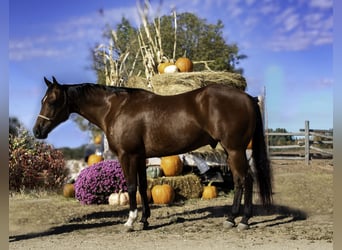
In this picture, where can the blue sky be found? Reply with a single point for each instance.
(288, 44)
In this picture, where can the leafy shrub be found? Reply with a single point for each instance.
(34, 165)
(95, 183)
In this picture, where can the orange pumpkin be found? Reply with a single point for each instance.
(98, 139)
(163, 194)
(163, 65)
(171, 165)
(94, 158)
(184, 64)
(209, 192)
(69, 190)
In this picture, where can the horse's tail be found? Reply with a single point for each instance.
(261, 161)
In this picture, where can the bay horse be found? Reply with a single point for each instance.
(140, 124)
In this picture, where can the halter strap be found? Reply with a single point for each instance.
(44, 117)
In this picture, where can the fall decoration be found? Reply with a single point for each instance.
(161, 67)
(209, 192)
(184, 64)
(163, 194)
(118, 199)
(98, 139)
(171, 165)
(95, 183)
(153, 171)
(187, 186)
(94, 158)
(171, 84)
(171, 69)
(69, 190)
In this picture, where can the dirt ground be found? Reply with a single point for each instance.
(301, 218)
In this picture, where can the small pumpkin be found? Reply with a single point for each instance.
(163, 194)
(153, 171)
(69, 190)
(171, 165)
(149, 196)
(161, 67)
(94, 158)
(97, 139)
(118, 199)
(184, 64)
(209, 192)
(171, 69)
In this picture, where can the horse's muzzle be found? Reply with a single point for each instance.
(39, 133)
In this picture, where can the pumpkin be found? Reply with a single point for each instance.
(209, 192)
(250, 145)
(149, 196)
(118, 199)
(94, 158)
(184, 64)
(162, 66)
(69, 190)
(98, 139)
(171, 165)
(153, 171)
(163, 194)
(171, 69)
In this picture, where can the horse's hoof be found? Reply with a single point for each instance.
(228, 224)
(242, 227)
(128, 228)
(142, 226)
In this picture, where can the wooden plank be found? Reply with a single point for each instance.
(327, 151)
(286, 147)
(286, 157)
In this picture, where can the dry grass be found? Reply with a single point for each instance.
(166, 84)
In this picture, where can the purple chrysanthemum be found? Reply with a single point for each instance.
(96, 182)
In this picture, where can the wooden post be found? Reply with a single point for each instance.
(307, 143)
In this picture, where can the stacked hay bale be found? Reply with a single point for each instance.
(176, 83)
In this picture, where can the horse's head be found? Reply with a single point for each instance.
(54, 109)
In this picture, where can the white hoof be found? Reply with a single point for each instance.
(228, 224)
(242, 227)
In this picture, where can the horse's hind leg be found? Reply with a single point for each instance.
(239, 167)
(248, 205)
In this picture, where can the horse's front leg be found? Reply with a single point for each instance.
(129, 166)
(143, 193)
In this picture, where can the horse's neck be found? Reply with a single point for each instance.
(91, 107)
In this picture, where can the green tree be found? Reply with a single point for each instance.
(14, 125)
(278, 140)
(197, 39)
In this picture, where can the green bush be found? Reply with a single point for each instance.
(34, 165)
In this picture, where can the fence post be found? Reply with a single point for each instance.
(307, 143)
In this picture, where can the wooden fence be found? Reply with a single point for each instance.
(306, 143)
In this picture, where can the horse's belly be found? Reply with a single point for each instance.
(177, 143)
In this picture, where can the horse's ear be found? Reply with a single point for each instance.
(54, 80)
(48, 83)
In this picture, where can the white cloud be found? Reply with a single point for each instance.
(68, 36)
(322, 4)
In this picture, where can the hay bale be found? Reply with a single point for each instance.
(186, 186)
(167, 84)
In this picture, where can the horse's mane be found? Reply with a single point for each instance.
(86, 88)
